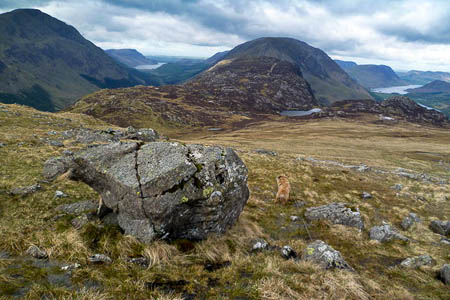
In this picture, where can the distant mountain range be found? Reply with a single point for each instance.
(371, 76)
(437, 86)
(423, 77)
(130, 57)
(47, 64)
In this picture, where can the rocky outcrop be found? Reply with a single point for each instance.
(410, 220)
(324, 255)
(441, 227)
(417, 261)
(166, 190)
(445, 274)
(385, 233)
(22, 191)
(337, 213)
(36, 252)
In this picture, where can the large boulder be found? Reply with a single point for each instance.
(441, 227)
(336, 213)
(166, 190)
(445, 274)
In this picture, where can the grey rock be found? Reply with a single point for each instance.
(441, 227)
(397, 187)
(99, 259)
(143, 134)
(56, 143)
(299, 204)
(445, 241)
(410, 220)
(287, 252)
(445, 274)
(67, 153)
(70, 267)
(385, 233)
(266, 152)
(294, 218)
(324, 255)
(25, 190)
(36, 252)
(140, 261)
(80, 221)
(259, 244)
(60, 194)
(417, 261)
(2, 145)
(57, 166)
(78, 208)
(166, 190)
(110, 219)
(366, 195)
(336, 213)
(363, 168)
(52, 132)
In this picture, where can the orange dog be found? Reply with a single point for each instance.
(283, 189)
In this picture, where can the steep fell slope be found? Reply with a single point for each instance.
(130, 57)
(47, 64)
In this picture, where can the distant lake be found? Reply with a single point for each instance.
(149, 67)
(395, 89)
(299, 113)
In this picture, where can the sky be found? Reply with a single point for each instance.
(404, 34)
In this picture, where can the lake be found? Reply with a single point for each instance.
(299, 113)
(395, 89)
(149, 67)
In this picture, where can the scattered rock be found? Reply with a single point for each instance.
(99, 259)
(70, 267)
(410, 220)
(78, 208)
(140, 261)
(366, 195)
(25, 190)
(324, 255)
(287, 252)
(260, 244)
(55, 143)
(57, 166)
(441, 227)
(60, 194)
(397, 187)
(385, 233)
(166, 190)
(294, 218)
(337, 213)
(417, 261)
(36, 252)
(80, 221)
(445, 274)
(266, 152)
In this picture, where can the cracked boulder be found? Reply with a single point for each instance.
(336, 213)
(166, 190)
(321, 253)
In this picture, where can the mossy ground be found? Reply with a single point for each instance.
(178, 268)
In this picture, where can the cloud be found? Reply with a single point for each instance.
(405, 34)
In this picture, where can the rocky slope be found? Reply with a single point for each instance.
(373, 76)
(47, 64)
(229, 92)
(130, 57)
(328, 81)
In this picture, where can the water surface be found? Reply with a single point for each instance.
(299, 113)
(149, 67)
(395, 89)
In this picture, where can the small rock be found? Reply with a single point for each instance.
(25, 190)
(78, 208)
(445, 241)
(409, 221)
(55, 143)
(287, 252)
(67, 153)
(80, 221)
(441, 227)
(2, 145)
(445, 274)
(324, 255)
(140, 261)
(60, 194)
(260, 244)
(299, 204)
(417, 261)
(385, 233)
(52, 132)
(99, 259)
(36, 252)
(366, 195)
(363, 168)
(71, 267)
(266, 152)
(337, 213)
(397, 187)
(294, 218)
